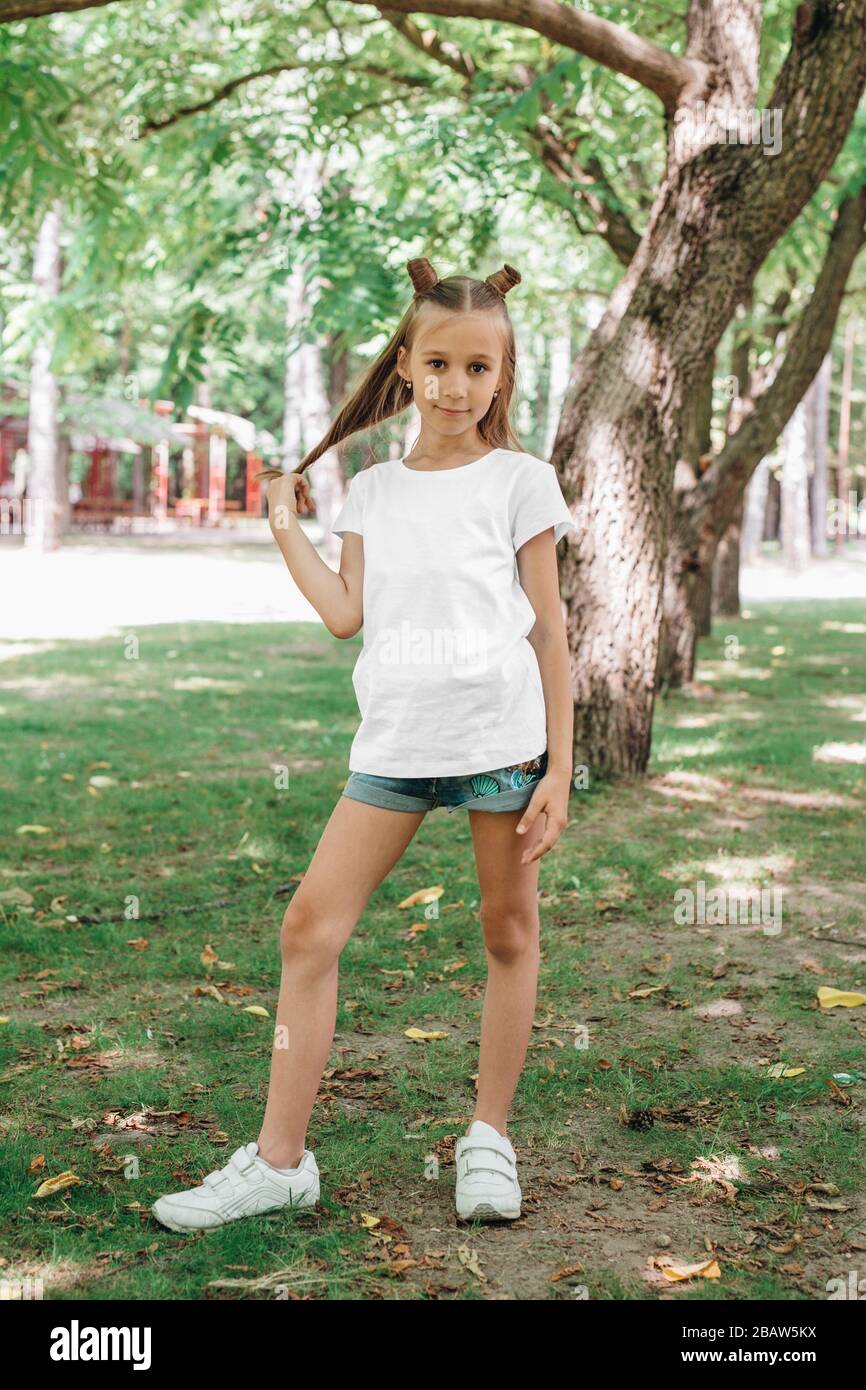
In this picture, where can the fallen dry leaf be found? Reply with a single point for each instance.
(424, 895)
(52, 1185)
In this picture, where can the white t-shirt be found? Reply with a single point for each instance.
(447, 683)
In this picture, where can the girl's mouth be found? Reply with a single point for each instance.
(446, 411)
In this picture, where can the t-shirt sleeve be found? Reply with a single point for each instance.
(537, 503)
(350, 517)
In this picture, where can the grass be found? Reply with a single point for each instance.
(228, 748)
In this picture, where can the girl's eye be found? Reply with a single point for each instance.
(437, 361)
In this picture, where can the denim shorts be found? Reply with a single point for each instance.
(505, 789)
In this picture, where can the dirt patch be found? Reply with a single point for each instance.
(592, 1211)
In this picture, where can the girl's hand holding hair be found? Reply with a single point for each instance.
(287, 493)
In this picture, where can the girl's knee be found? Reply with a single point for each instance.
(509, 932)
(310, 934)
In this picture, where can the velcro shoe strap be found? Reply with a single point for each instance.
(482, 1157)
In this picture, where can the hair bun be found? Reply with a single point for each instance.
(505, 279)
(422, 274)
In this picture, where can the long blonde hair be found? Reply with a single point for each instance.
(383, 392)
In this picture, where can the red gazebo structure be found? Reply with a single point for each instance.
(205, 431)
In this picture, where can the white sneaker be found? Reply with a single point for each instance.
(487, 1186)
(246, 1186)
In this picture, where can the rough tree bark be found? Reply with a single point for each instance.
(726, 565)
(726, 569)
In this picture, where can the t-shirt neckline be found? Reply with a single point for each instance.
(430, 472)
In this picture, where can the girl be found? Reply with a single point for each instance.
(463, 684)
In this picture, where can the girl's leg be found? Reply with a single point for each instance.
(358, 848)
(509, 919)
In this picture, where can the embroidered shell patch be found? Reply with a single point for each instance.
(484, 785)
(521, 773)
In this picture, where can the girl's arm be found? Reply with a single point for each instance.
(337, 598)
(539, 579)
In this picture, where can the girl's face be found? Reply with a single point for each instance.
(455, 366)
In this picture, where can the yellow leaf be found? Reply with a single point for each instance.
(257, 1010)
(832, 998)
(708, 1270)
(781, 1070)
(52, 1185)
(424, 895)
(4, 1018)
(208, 955)
(33, 830)
(644, 991)
(102, 781)
(369, 1221)
(419, 1035)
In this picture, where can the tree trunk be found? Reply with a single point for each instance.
(62, 468)
(821, 407)
(755, 513)
(795, 495)
(43, 509)
(725, 602)
(678, 629)
(726, 571)
(773, 514)
(686, 614)
(842, 508)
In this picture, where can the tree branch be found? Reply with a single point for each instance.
(814, 106)
(431, 43)
(718, 490)
(33, 9)
(664, 73)
(219, 95)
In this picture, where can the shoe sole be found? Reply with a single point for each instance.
(174, 1224)
(484, 1211)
